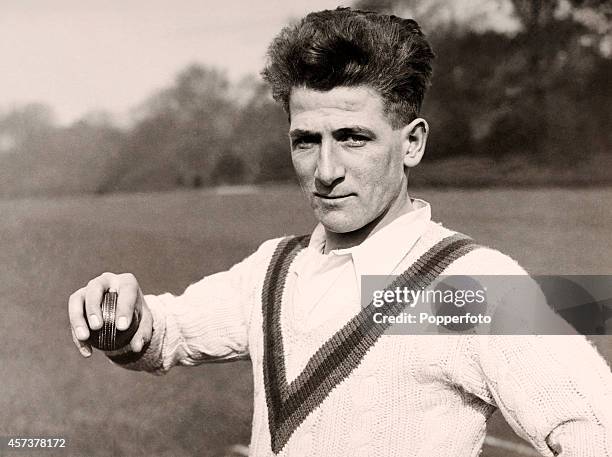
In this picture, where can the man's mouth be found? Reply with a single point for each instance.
(332, 197)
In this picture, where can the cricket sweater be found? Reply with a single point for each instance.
(329, 383)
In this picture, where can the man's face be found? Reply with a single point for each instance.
(347, 156)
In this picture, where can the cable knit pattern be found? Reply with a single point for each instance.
(418, 395)
(290, 403)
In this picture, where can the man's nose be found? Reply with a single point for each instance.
(329, 167)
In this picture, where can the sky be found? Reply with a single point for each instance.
(79, 56)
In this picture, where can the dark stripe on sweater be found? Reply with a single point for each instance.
(273, 287)
(289, 405)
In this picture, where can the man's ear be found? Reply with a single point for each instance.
(414, 139)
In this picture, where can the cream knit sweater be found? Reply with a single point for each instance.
(419, 395)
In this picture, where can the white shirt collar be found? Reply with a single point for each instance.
(380, 253)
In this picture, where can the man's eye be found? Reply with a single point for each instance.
(355, 140)
(303, 144)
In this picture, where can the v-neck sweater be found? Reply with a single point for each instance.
(407, 395)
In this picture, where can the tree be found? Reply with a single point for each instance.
(260, 138)
(181, 133)
(525, 92)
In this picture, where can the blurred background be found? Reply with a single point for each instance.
(137, 136)
(106, 97)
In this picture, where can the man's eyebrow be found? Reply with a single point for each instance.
(299, 133)
(355, 129)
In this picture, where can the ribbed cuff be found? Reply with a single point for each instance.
(579, 438)
(150, 357)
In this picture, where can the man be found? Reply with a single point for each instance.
(328, 380)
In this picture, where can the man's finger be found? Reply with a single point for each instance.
(93, 297)
(145, 331)
(78, 323)
(84, 348)
(126, 302)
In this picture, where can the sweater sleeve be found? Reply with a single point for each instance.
(554, 391)
(207, 323)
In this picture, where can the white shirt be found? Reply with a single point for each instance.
(326, 288)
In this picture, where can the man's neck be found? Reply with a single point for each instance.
(349, 239)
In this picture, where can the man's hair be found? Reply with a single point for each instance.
(346, 47)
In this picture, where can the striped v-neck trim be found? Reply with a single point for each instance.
(290, 404)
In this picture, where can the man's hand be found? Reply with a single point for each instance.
(84, 308)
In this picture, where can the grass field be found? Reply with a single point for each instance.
(49, 248)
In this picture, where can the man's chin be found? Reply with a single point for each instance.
(340, 226)
(339, 221)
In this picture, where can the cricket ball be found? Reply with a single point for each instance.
(107, 337)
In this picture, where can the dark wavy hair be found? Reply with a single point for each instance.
(346, 47)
